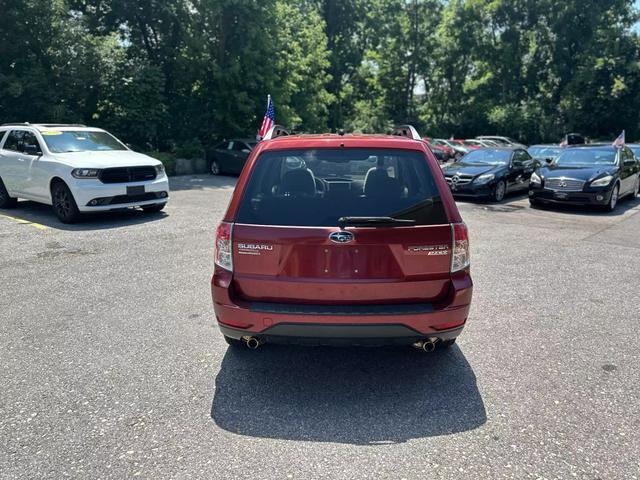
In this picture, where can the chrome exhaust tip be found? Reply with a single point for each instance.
(428, 345)
(252, 343)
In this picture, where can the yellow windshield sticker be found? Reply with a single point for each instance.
(51, 132)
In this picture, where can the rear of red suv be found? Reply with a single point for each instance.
(342, 240)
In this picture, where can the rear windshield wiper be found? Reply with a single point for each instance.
(373, 222)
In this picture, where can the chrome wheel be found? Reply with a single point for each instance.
(613, 201)
(498, 194)
(215, 168)
(636, 189)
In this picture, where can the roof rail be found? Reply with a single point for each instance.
(276, 131)
(47, 125)
(50, 125)
(406, 131)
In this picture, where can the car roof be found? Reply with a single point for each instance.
(43, 127)
(333, 140)
(599, 146)
(245, 140)
(506, 148)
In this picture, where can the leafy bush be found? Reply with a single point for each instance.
(190, 149)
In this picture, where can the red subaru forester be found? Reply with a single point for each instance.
(342, 240)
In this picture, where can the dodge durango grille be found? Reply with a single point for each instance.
(127, 174)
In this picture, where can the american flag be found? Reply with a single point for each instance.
(619, 142)
(269, 118)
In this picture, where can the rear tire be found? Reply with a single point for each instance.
(153, 208)
(636, 188)
(535, 204)
(5, 200)
(64, 205)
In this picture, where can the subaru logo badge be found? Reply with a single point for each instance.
(341, 237)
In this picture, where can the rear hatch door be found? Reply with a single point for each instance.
(291, 243)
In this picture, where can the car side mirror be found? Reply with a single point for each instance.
(549, 161)
(30, 149)
(517, 163)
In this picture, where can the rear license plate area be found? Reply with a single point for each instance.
(135, 190)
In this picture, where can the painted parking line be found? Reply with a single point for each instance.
(25, 222)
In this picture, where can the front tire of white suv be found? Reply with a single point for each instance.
(6, 201)
(64, 205)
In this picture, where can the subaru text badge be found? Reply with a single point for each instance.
(341, 237)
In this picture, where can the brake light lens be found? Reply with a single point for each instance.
(224, 248)
(460, 258)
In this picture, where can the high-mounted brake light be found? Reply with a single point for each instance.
(224, 246)
(460, 259)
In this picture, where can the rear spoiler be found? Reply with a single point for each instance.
(407, 131)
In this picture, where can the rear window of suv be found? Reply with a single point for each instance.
(317, 187)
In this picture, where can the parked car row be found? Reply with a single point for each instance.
(582, 174)
(455, 148)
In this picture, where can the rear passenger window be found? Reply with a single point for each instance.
(14, 140)
(317, 187)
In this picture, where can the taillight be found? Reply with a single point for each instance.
(460, 257)
(224, 247)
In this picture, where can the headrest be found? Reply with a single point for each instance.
(299, 181)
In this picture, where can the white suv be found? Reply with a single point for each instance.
(77, 169)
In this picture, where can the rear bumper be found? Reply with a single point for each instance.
(344, 324)
(339, 334)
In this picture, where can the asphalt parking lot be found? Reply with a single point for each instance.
(112, 366)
